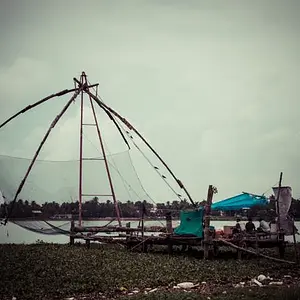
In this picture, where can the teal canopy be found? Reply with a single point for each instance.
(238, 202)
(191, 223)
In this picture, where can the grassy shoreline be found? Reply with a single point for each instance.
(51, 271)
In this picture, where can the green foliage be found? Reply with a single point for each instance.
(96, 209)
(49, 271)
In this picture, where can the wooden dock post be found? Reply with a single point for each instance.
(207, 221)
(128, 225)
(295, 243)
(277, 202)
(280, 234)
(72, 233)
(169, 223)
(169, 230)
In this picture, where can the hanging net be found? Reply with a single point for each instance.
(58, 181)
(44, 227)
(136, 174)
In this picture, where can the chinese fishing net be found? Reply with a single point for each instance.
(136, 175)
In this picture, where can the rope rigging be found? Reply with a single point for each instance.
(106, 107)
(154, 167)
(120, 128)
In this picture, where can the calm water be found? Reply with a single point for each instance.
(12, 233)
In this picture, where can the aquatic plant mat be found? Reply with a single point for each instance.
(50, 271)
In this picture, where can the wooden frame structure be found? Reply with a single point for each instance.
(127, 235)
(210, 243)
(83, 87)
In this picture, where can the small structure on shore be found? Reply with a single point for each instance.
(195, 230)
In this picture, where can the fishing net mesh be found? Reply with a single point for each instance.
(58, 181)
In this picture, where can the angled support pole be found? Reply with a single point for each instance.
(55, 121)
(61, 93)
(83, 84)
(106, 164)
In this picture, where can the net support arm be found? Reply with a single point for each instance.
(61, 93)
(122, 119)
(55, 121)
(118, 127)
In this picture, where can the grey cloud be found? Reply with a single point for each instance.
(213, 87)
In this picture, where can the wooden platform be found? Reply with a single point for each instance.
(131, 240)
(143, 238)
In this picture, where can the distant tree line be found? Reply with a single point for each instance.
(96, 209)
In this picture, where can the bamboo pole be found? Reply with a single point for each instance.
(118, 229)
(105, 161)
(61, 93)
(143, 228)
(80, 154)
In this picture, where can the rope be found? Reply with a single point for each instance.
(269, 189)
(156, 170)
(116, 168)
(143, 186)
(255, 253)
(148, 160)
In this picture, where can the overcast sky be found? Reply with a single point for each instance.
(213, 85)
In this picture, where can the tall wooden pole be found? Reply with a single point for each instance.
(169, 222)
(207, 221)
(277, 201)
(295, 242)
(80, 154)
(113, 194)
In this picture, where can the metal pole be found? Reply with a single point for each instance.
(80, 153)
